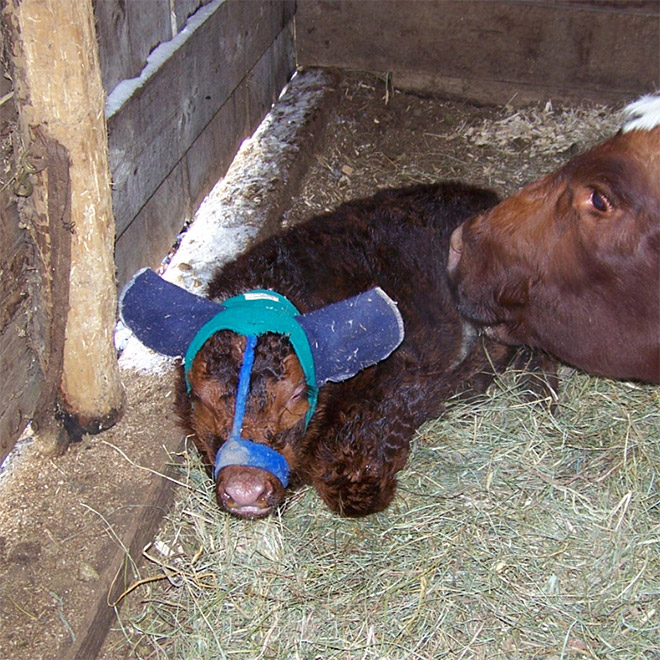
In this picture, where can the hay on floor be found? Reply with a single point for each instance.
(516, 532)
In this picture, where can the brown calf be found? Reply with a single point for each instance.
(358, 437)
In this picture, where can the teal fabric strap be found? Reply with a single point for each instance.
(256, 313)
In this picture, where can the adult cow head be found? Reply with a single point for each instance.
(571, 263)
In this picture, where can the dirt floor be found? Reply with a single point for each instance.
(380, 137)
(62, 518)
(377, 137)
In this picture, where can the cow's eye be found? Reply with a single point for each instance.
(600, 201)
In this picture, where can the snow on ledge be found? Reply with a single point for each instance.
(155, 60)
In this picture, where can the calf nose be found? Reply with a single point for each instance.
(455, 248)
(247, 489)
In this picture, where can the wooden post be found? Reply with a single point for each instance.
(61, 111)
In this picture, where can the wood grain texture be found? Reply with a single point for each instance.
(160, 121)
(58, 83)
(127, 32)
(22, 380)
(146, 239)
(183, 9)
(489, 51)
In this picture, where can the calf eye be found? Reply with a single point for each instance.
(600, 201)
(301, 392)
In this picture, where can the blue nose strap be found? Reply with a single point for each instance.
(245, 453)
(238, 451)
(243, 386)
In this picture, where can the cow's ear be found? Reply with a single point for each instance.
(163, 316)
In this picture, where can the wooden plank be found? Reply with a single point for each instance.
(489, 50)
(215, 148)
(186, 86)
(149, 24)
(641, 6)
(115, 56)
(21, 382)
(22, 379)
(183, 9)
(126, 33)
(16, 260)
(149, 237)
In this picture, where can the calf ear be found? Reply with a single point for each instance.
(209, 390)
(205, 417)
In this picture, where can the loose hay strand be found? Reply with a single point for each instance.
(511, 536)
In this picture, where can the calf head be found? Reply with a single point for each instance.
(571, 263)
(251, 372)
(275, 413)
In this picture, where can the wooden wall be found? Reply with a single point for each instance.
(492, 51)
(187, 80)
(22, 378)
(177, 117)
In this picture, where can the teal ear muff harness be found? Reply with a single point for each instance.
(332, 343)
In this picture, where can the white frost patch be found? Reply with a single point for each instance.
(137, 357)
(155, 60)
(643, 114)
(17, 454)
(235, 210)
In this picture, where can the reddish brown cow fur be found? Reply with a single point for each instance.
(571, 263)
(358, 438)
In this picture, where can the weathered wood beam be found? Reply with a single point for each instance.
(155, 118)
(493, 51)
(62, 126)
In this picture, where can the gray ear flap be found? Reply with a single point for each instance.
(353, 334)
(162, 315)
